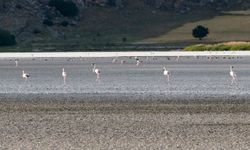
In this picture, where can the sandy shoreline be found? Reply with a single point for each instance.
(79, 124)
(110, 107)
(120, 103)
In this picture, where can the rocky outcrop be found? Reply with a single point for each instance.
(23, 18)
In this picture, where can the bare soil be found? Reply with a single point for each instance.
(124, 125)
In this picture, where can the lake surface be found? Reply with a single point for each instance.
(190, 76)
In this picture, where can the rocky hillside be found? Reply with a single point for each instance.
(25, 18)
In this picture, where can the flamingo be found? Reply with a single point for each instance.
(177, 58)
(233, 75)
(123, 61)
(25, 76)
(166, 73)
(64, 75)
(97, 72)
(114, 60)
(138, 62)
(16, 62)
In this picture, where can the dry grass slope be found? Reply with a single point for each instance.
(224, 27)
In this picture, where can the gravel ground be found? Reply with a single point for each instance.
(124, 125)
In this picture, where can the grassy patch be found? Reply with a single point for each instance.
(240, 12)
(229, 46)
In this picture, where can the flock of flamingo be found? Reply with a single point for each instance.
(97, 71)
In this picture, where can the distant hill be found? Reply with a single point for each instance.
(125, 24)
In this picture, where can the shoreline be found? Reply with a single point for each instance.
(124, 97)
(120, 104)
(120, 54)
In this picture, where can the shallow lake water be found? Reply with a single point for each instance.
(190, 76)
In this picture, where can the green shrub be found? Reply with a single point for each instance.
(220, 47)
(98, 34)
(48, 22)
(55, 3)
(18, 6)
(69, 9)
(66, 8)
(111, 3)
(195, 47)
(6, 38)
(64, 23)
(124, 39)
(240, 47)
(36, 31)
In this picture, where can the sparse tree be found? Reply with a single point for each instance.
(200, 32)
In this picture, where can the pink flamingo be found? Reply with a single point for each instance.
(25, 76)
(97, 72)
(233, 75)
(166, 73)
(64, 75)
(138, 62)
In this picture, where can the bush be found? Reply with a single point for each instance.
(64, 23)
(111, 3)
(66, 8)
(124, 39)
(98, 34)
(200, 32)
(6, 38)
(48, 22)
(69, 9)
(36, 31)
(18, 6)
(199, 47)
(240, 47)
(55, 3)
(221, 47)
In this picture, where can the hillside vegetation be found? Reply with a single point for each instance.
(132, 25)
